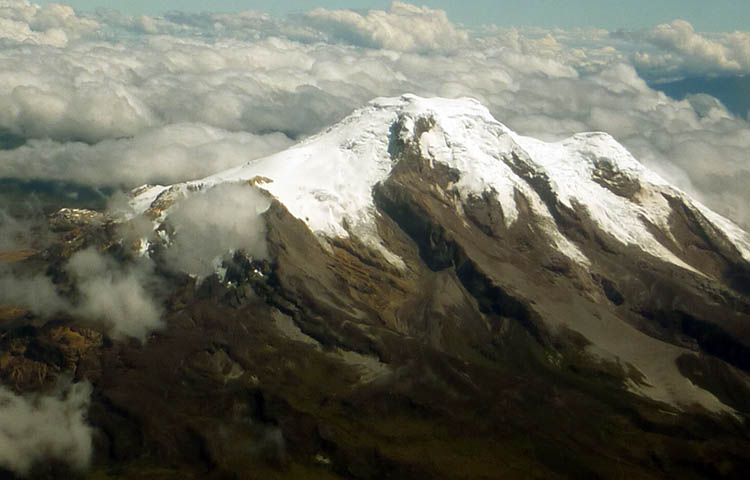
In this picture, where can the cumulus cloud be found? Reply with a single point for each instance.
(680, 50)
(173, 98)
(94, 92)
(402, 27)
(680, 37)
(36, 428)
(85, 111)
(210, 223)
(53, 25)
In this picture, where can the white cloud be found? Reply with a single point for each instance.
(35, 292)
(680, 50)
(680, 37)
(54, 25)
(210, 223)
(165, 154)
(87, 112)
(119, 298)
(35, 428)
(13, 231)
(402, 27)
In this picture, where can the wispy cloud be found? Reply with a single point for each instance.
(120, 300)
(35, 428)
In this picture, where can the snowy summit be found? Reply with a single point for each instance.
(327, 180)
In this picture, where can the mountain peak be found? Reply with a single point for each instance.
(327, 180)
(444, 169)
(419, 257)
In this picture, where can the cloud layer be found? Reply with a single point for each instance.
(164, 154)
(132, 100)
(25, 22)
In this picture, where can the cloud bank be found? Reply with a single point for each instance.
(54, 25)
(133, 100)
(164, 154)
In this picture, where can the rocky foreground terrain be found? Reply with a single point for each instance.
(426, 295)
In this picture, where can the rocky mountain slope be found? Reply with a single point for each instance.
(417, 292)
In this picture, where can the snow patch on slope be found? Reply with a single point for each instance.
(614, 340)
(327, 180)
(736, 236)
(571, 166)
(142, 198)
(465, 137)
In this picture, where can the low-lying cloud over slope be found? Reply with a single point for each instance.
(121, 300)
(209, 224)
(41, 427)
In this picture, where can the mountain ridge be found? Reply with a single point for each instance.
(417, 292)
(601, 161)
(585, 195)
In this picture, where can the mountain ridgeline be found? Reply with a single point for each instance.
(417, 292)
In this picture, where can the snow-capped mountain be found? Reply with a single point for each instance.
(413, 293)
(580, 215)
(328, 180)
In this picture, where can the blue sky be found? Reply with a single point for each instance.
(723, 15)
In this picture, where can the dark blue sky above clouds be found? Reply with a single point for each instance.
(723, 15)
